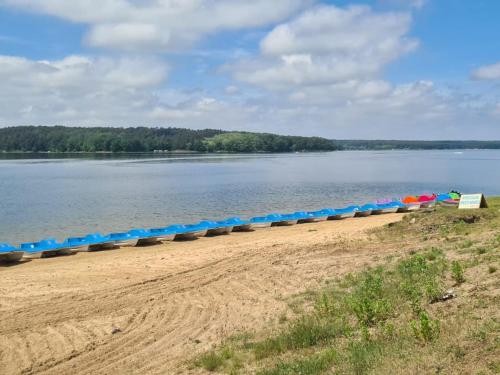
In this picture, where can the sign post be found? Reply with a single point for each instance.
(470, 201)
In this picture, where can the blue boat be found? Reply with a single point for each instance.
(45, 248)
(386, 208)
(309, 217)
(9, 253)
(365, 210)
(443, 197)
(188, 231)
(217, 227)
(163, 234)
(238, 224)
(282, 219)
(261, 222)
(97, 241)
(144, 236)
(326, 213)
(91, 242)
(77, 244)
(124, 239)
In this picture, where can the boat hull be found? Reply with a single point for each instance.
(166, 237)
(390, 210)
(219, 231)
(147, 241)
(284, 223)
(102, 246)
(363, 213)
(127, 243)
(243, 228)
(346, 215)
(11, 257)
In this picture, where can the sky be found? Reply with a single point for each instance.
(367, 69)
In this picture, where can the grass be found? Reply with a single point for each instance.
(392, 318)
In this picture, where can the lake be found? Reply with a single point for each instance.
(61, 197)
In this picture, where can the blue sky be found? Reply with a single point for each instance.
(415, 69)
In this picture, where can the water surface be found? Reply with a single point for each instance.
(73, 196)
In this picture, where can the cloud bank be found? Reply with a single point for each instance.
(316, 69)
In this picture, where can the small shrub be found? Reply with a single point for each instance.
(368, 300)
(425, 329)
(457, 272)
(492, 269)
(210, 361)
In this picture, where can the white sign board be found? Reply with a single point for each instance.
(468, 201)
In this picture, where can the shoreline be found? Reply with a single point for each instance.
(171, 300)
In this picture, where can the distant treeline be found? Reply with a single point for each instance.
(142, 139)
(414, 145)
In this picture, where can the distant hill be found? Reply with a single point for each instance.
(143, 139)
(414, 145)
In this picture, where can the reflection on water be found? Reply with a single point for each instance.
(42, 197)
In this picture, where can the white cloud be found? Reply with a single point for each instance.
(487, 72)
(161, 25)
(328, 44)
(77, 89)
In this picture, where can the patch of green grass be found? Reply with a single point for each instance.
(457, 272)
(391, 319)
(361, 355)
(303, 333)
(210, 361)
(315, 364)
(425, 328)
(368, 300)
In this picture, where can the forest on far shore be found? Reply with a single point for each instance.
(144, 139)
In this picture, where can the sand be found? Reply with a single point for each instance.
(150, 310)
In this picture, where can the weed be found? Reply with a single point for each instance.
(303, 333)
(457, 272)
(210, 361)
(361, 355)
(368, 300)
(425, 328)
(315, 364)
(481, 250)
(492, 269)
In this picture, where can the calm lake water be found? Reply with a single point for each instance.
(62, 197)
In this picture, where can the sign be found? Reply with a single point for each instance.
(468, 201)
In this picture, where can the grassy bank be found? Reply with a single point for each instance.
(430, 308)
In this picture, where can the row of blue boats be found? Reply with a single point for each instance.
(139, 237)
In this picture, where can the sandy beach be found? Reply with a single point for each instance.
(149, 310)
